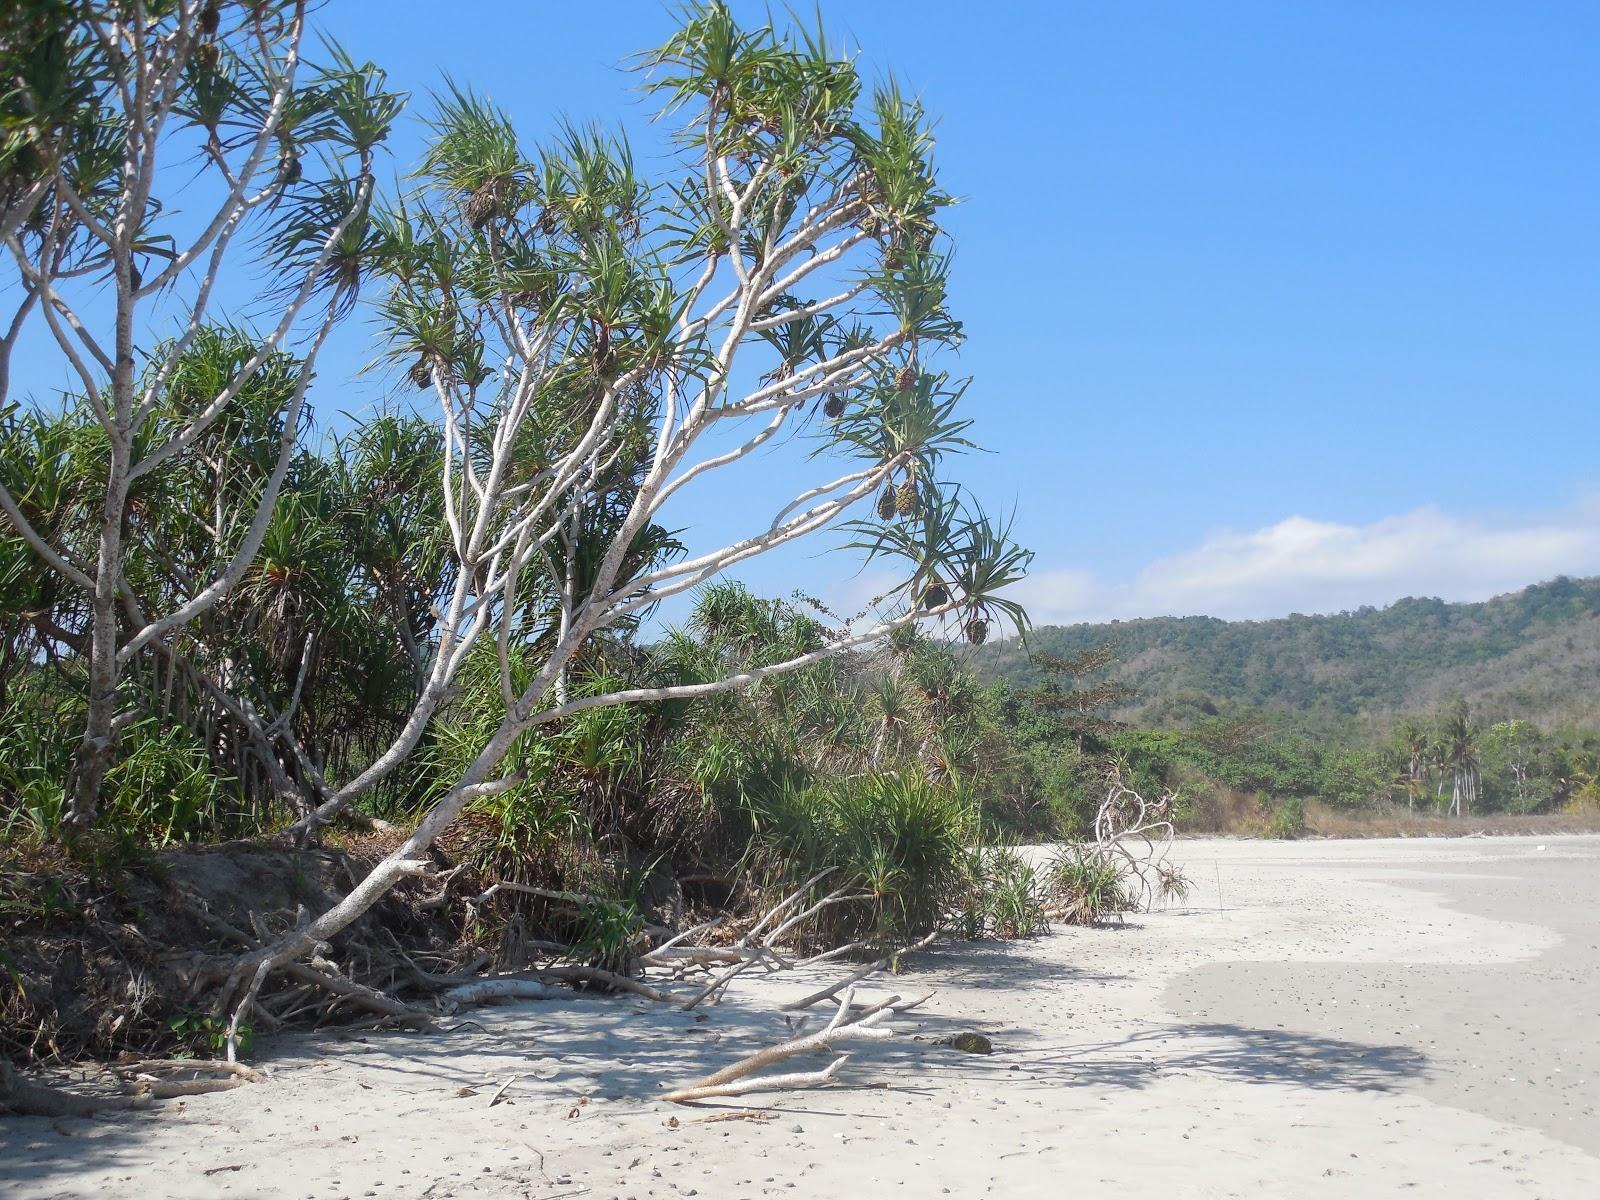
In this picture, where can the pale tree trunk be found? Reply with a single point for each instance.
(95, 748)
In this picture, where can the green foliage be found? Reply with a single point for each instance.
(902, 840)
(207, 1036)
(162, 790)
(1288, 819)
(1087, 886)
(1004, 897)
(608, 935)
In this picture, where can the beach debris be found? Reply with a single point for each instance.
(741, 1076)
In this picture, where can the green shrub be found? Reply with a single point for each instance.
(608, 936)
(1087, 886)
(161, 790)
(1005, 896)
(1288, 819)
(899, 838)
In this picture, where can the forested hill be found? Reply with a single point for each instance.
(1533, 654)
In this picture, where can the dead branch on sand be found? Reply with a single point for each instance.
(140, 1083)
(861, 973)
(736, 1079)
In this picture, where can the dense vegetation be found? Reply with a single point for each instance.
(1425, 705)
(217, 624)
(1530, 655)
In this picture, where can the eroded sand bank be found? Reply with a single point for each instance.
(1337, 1018)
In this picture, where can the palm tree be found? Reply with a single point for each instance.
(1416, 746)
(1458, 738)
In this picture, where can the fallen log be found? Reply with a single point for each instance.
(494, 991)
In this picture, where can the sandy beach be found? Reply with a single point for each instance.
(1416, 1018)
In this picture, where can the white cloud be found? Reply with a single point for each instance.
(1311, 566)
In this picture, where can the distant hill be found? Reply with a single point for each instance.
(1533, 654)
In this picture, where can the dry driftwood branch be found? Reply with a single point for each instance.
(734, 1080)
(893, 1004)
(579, 973)
(836, 952)
(694, 956)
(783, 905)
(753, 948)
(797, 1080)
(169, 1089)
(1136, 835)
(675, 939)
(857, 976)
(493, 991)
(720, 981)
(360, 994)
(839, 896)
(215, 1066)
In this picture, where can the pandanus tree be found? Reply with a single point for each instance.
(110, 110)
(599, 345)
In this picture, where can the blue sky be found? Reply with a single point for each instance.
(1271, 307)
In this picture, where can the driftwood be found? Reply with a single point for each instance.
(719, 982)
(18, 1095)
(837, 952)
(857, 976)
(535, 985)
(140, 1082)
(577, 973)
(675, 939)
(1135, 835)
(694, 956)
(494, 991)
(841, 896)
(783, 905)
(360, 994)
(740, 1077)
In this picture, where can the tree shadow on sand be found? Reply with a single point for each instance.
(1228, 1051)
(629, 1051)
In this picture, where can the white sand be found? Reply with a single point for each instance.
(1295, 1076)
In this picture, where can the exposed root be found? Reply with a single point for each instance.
(1136, 836)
